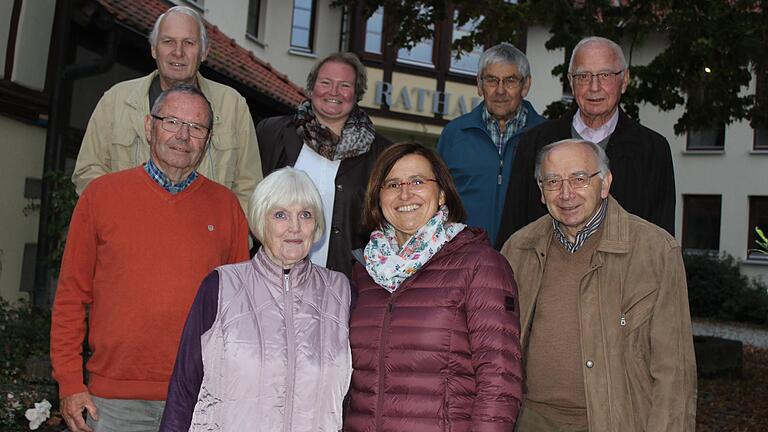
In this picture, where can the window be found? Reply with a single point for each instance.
(758, 217)
(200, 4)
(467, 63)
(254, 12)
(701, 223)
(711, 138)
(421, 53)
(761, 87)
(373, 31)
(302, 30)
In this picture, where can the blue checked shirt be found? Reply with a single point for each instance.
(514, 124)
(590, 228)
(160, 178)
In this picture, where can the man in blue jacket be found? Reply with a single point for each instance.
(479, 146)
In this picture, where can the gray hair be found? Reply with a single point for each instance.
(599, 40)
(361, 75)
(186, 11)
(602, 158)
(504, 53)
(284, 187)
(187, 89)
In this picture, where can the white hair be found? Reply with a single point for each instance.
(284, 187)
(602, 158)
(186, 11)
(599, 40)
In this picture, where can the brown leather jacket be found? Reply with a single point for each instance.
(637, 347)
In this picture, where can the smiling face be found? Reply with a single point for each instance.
(178, 51)
(500, 101)
(598, 101)
(333, 95)
(288, 234)
(407, 209)
(573, 207)
(177, 154)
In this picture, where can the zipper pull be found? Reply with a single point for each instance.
(390, 307)
(622, 320)
(285, 279)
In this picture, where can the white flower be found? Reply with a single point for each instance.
(38, 414)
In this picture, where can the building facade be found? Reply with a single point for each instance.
(721, 181)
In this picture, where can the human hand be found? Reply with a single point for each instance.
(72, 407)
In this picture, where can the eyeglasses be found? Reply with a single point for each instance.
(510, 82)
(585, 78)
(415, 184)
(172, 124)
(576, 181)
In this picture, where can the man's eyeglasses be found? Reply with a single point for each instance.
(585, 78)
(576, 181)
(172, 124)
(509, 83)
(415, 184)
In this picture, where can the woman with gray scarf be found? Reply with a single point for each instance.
(332, 139)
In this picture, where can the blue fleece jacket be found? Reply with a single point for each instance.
(481, 175)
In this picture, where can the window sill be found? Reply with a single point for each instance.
(256, 40)
(703, 152)
(755, 261)
(306, 54)
(196, 5)
(761, 151)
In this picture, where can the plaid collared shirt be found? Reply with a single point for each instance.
(160, 178)
(589, 228)
(514, 124)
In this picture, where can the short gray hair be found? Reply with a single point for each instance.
(504, 53)
(602, 158)
(361, 75)
(598, 40)
(284, 187)
(184, 88)
(186, 11)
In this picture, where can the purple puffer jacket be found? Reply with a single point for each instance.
(442, 352)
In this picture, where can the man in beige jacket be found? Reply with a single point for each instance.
(605, 325)
(115, 139)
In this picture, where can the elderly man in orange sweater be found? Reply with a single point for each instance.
(139, 243)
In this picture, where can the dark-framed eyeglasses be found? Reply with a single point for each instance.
(172, 124)
(509, 83)
(415, 184)
(576, 181)
(585, 78)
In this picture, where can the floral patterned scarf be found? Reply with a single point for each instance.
(356, 136)
(389, 265)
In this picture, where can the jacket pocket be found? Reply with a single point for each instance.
(124, 152)
(220, 161)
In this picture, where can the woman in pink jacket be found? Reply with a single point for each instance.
(435, 328)
(265, 347)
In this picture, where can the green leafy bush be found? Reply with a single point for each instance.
(718, 289)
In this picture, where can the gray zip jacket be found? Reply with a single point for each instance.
(276, 357)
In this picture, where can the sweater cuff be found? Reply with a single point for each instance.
(71, 384)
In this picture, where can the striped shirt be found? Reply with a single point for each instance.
(163, 180)
(514, 124)
(590, 228)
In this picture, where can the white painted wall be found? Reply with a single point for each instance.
(22, 147)
(33, 41)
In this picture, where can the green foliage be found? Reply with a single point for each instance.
(717, 289)
(63, 200)
(24, 332)
(728, 37)
(761, 242)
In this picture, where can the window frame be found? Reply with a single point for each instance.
(258, 21)
(452, 69)
(753, 222)
(311, 42)
(719, 142)
(692, 211)
(760, 133)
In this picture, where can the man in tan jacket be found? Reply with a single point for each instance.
(115, 140)
(605, 325)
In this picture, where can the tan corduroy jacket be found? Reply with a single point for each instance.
(635, 326)
(115, 138)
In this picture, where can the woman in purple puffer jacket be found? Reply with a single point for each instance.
(435, 328)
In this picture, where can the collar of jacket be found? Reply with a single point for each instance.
(614, 239)
(138, 98)
(623, 140)
(274, 273)
(474, 119)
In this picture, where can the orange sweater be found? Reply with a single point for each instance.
(136, 254)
